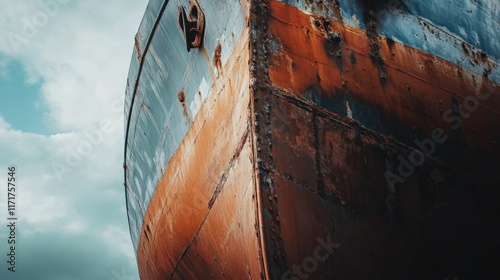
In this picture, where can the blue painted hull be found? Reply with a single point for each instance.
(373, 125)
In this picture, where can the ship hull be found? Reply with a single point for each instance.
(310, 140)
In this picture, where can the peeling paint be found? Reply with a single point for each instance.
(298, 111)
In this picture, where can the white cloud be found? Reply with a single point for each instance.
(88, 203)
(76, 227)
(43, 210)
(4, 126)
(81, 56)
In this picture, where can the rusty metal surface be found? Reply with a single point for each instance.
(226, 245)
(414, 94)
(439, 222)
(192, 25)
(445, 29)
(157, 121)
(368, 142)
(202, 206)
(314, 140)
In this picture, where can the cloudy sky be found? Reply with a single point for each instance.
(63, 70)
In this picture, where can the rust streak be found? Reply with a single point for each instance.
(217, 58)
(138, 49)
(182, 99)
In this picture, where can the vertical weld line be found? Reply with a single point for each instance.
(321, 185)
(254, 93)
(259, 219)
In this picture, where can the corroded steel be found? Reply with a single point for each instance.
(345, 139)
(158, 116)
(192, 25)
(390, 151)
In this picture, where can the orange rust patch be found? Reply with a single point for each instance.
(408, 85)
(182, 98)
(323, 173)
(217, 57)
(185, 210)
(220, 241)
(138, 49)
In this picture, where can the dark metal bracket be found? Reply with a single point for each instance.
(192, 25)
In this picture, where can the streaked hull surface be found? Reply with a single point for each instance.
(316, 140)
